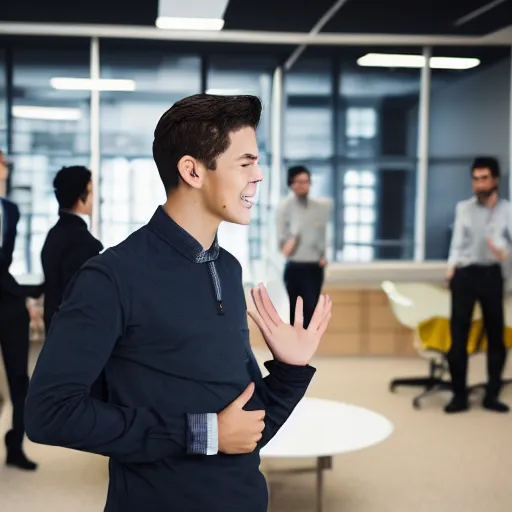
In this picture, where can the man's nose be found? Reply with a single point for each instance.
(257, 174)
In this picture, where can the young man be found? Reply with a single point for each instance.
(69, 244)
(301, 226)
(14, 328)
(480, 243)
(164, 315)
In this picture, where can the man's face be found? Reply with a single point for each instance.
(230, 189)
(484, 184)
(301, 184)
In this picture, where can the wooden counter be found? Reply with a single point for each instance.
(362, 324)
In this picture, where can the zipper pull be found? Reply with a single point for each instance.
(220, 306)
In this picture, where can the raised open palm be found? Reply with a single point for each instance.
(291, 344)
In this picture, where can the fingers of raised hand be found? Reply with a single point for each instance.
(268, 305)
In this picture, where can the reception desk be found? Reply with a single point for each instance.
(362, 323)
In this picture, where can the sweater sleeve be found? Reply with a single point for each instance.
(281, 391)
(59, 409)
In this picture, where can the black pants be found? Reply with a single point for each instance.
(303, 280)
(14, 341)
(485, 285)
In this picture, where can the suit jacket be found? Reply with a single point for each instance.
(9, 287)
(68, 245)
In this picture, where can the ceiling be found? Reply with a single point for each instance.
(421, 17)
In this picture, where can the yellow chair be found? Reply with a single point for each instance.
(425, 308)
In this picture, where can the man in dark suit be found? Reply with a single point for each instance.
(14, 328)
(69, 244)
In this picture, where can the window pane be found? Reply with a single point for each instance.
(366, 253)
(351, 233)
(469, 117)
(352, 178)
(350, 253)
(378, 135)
(366, 234)
(352, 214)
(367, 215)
(367, 179)
(352, 196)
(367, 196)
(50, 129)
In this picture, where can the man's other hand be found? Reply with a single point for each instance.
(239, 430)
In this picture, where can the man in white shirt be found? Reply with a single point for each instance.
(302, 233)
(481, 243)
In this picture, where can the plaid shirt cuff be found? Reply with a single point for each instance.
(202, 434)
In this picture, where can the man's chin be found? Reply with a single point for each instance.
(242, 219)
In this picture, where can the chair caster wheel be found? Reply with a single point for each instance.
(416, 404)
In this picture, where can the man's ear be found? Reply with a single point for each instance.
(191, 171)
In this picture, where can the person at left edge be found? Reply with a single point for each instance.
(14, 328)
(164, 315)
(69, 244)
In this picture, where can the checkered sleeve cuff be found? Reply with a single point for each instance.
(202, 434)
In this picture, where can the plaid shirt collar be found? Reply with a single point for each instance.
(162, 225)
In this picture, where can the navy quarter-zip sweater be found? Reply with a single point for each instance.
(169, 329)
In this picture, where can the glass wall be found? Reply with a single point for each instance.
(350, 116)
(252, 75)
(155, 78)
(50, 129)
(377, 126)
(469, 117)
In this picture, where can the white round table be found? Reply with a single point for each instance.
(320, 429)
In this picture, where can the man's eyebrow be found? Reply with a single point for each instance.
(248, 156)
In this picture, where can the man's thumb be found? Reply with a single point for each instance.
(242, 400)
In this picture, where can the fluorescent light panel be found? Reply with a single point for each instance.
(395, 60)
(169, 23)
(88, 84)
(46, 113)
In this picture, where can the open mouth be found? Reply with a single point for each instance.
(247, 199)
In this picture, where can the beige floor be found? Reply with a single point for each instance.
(431, 463)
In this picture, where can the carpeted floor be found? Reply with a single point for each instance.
(431, 463)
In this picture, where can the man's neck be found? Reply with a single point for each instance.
(3, 188)
(187, 211)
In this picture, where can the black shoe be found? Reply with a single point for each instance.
(15, 456)
(493, 404)
(457, 404)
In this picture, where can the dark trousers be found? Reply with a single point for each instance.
(303, 280)
(14, 341)
(485, 285)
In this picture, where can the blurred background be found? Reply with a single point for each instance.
(347, 92)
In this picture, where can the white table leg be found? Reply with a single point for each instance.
(322, 463)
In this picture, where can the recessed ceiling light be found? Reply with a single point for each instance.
(395, 60)
(169, 23)
(88, 84)
(46, 113)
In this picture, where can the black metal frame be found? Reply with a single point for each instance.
(435, 382)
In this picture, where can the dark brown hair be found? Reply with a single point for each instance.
(199, 126)
(487, 162)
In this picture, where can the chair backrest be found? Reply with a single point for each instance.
(413, 303)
